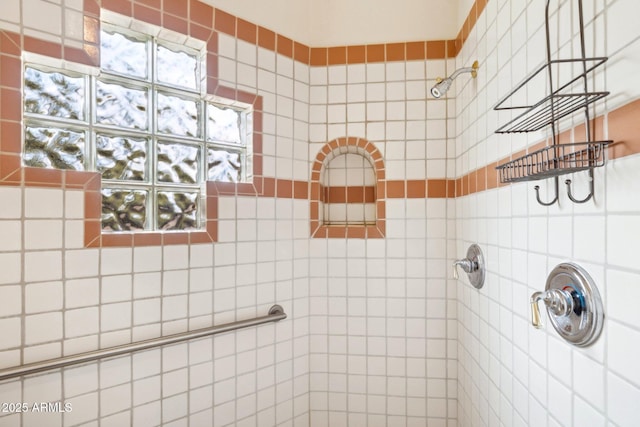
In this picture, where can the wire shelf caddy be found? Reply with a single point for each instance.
(567, 82)
(554, 160)
(563, 101)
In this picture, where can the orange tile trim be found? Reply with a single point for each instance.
(317, 195)
(350, 194)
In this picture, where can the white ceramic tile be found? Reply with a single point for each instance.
(81, 263)
(115, 261)
(175, 257)
(375, 92)
(147, 285)
(12, 13)
(80, 322)
(43, 327)
(116, 288)
(337, 113)
(42, 15)
(227, 70)
(80, 380)
(145, 364)
(620, 230)
(621, 354)
(43, 203)
(149, 413)
(176, 406)
(13, 328)
(585, 414)
(590, 246)
(337, 94)
(40, 266)
(200, 279)
(200, 304)
(622, 173)
(175, 282)
(10, 300)
(74, 204)
(174, 307)
(74, 234)
(82, 292)
(146, 311)
(40, 297)
(84, 408)
(247, 52)
(621, 292)
(11, 207)
(375, 72)
(45, 388)
(620, 13)
(11, 233)
(115, 399)
(147, 258)
(621, 400)
(115, 316)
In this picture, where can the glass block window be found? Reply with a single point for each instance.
(144, 122)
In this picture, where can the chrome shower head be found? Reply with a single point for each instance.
(443, 85)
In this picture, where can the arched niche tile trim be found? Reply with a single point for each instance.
(328, 152)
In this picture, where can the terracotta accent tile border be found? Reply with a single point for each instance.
(624, 129)
(324, 156)
(420, 189)
(350, 194)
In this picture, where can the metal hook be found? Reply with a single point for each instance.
(555, 199)
(591, 190)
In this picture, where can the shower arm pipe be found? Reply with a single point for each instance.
(275, 314)
(443, 85)
(473, 70)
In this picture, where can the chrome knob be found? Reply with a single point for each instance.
(573, 304)
(466, 264)
(473, 265)
(558, 301)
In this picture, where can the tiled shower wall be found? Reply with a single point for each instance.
(370, 337)
(382, 318)
(58, 298)
(376, 334)
(509, 373)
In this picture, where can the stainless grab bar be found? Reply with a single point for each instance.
(276, 313)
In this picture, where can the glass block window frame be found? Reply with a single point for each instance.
(158, 182)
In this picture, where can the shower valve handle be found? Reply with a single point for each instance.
(558, 301)
(466, 264)
(473, 265)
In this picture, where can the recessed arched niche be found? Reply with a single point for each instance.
(348, 190)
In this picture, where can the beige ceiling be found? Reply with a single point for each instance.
(321, 23)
